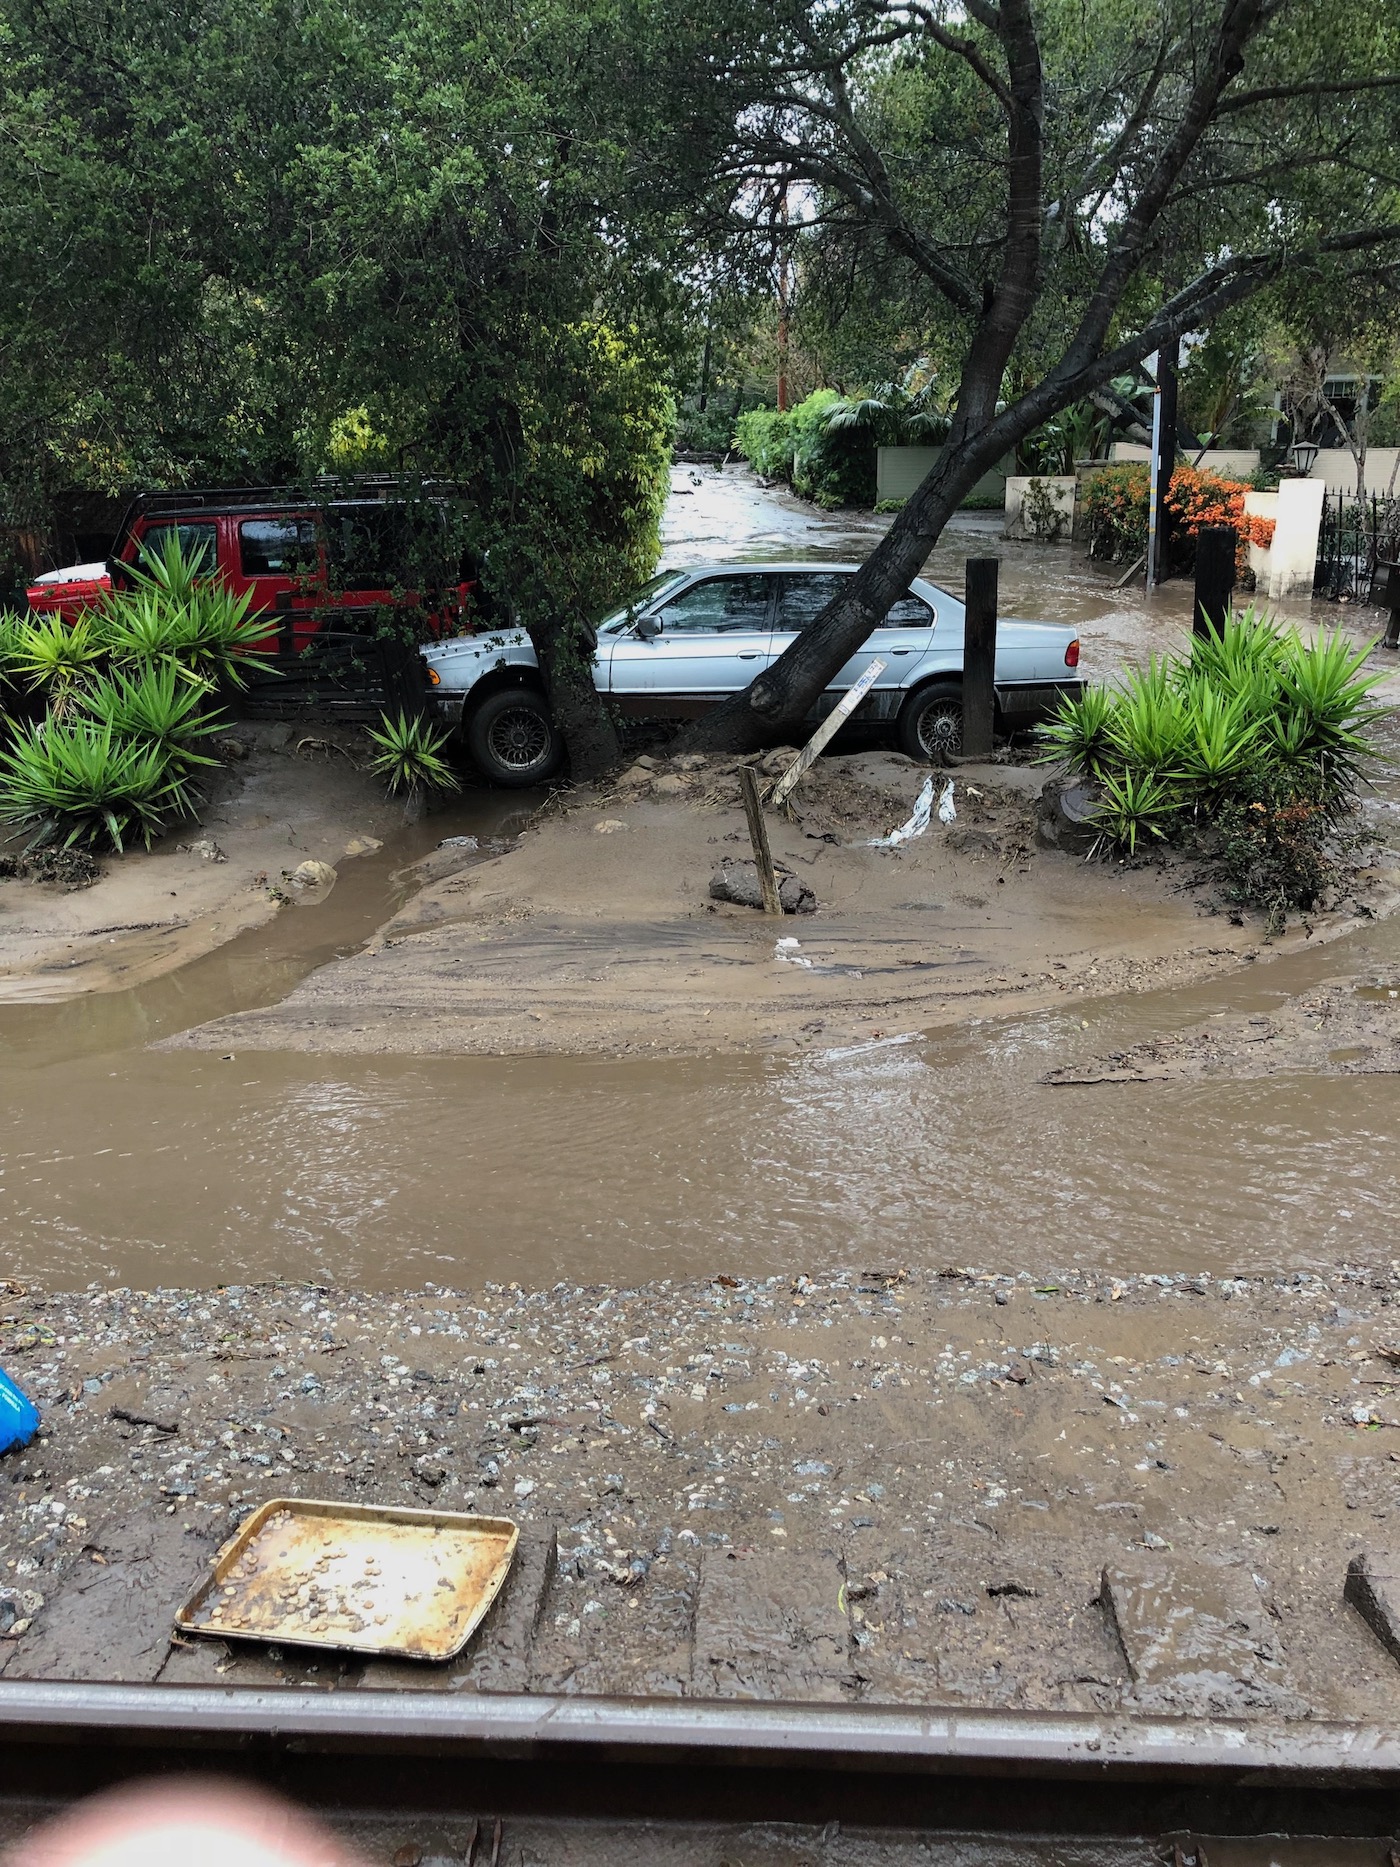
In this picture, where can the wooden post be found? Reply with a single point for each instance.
(758, 836)
(1215, 578)
(979, 657)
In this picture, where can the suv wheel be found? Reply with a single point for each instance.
(930, 722)
(513, 739)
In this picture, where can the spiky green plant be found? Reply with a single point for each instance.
(1133, 807)
(175, 611)
(155, 704)
(1078, 735)
(1322, 686)
(78, 781)
(409, 756)
(1247, 653)
(1150, 724)
(54, 656)
(1220, 742)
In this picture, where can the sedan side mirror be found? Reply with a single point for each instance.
(648, 627)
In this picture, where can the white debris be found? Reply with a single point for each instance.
(788, 949)
(947, 810)
(916, 825)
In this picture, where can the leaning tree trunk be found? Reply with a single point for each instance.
(564, 648)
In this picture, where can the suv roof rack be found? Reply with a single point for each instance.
(360, 488)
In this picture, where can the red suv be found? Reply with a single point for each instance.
(313, 567)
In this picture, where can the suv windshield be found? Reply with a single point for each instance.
(625, 612)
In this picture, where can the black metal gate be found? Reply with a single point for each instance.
(1357, 534)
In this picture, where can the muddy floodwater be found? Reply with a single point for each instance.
(923, 1149)
(927, 1148)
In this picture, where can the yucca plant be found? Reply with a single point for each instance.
(409, 756)
(1322, 686)
(1078, 735)
(1220, 742)
(1149, 726)
(1249, 650)
(155, 705)
(54, 656)
(174, 612)
(80, 782)
(1134, 806)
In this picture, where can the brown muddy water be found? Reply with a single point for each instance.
(122, 1164)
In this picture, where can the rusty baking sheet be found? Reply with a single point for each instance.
(360, 1578)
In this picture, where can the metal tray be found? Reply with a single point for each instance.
(361, 1578)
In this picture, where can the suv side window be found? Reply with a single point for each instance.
(276, 547)
(199, 543)
(719, 606)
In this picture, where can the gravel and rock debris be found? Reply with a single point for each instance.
(967, 1488)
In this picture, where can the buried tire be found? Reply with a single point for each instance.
(512, 738)
(930, 724)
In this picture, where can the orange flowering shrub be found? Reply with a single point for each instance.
(1115, 507)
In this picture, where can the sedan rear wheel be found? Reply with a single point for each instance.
(513, 739)
(929, 727)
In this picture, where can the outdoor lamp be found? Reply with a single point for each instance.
(1301, 455)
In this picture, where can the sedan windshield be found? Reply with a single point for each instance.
(625, 612)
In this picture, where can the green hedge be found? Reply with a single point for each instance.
(834, 467)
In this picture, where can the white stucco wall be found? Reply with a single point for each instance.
(1061, 491)
(1335, 467)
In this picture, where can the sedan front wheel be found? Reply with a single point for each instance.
(930, 724)
(513, 739)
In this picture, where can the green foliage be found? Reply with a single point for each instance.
(826, 454)
(1041, 513)
(1272, 843)
(1078, 735)
(409, 755)
(1135, 805)
(80, 781)
(1252, 745)
(1115, 510)
(764, 437)
(50, 654)
(174, 613)
(153, 705)
(833, 462)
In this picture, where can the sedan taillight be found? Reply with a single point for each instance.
(1072, 654)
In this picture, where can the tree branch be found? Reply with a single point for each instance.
(1322, 87)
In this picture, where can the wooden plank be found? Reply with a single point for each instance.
(758, 836)
(834, 720)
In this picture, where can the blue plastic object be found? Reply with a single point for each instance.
(19, 1417)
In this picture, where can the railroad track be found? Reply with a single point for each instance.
(1138, 1784)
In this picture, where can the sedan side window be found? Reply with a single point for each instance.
(805, 597)
(910, 612)
(719, 606)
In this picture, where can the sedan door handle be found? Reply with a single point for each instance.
(899, 651)
(747, 654)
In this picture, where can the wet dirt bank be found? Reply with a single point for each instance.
(282, 797)
(599, 932)
(970, 1487)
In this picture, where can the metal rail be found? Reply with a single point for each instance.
(827, 1737)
